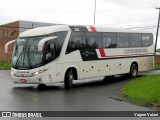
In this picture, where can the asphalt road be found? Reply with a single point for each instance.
(90, 95)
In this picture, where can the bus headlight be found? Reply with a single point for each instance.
(35, 73)
(38, 72)
(11, 72)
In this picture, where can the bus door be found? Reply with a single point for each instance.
(49, 57)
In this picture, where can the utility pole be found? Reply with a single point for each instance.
(95, 12)
(157, 30)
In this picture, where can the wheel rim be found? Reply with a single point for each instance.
(70, 78)
(134, 70)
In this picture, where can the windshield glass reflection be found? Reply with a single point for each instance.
(26, 52)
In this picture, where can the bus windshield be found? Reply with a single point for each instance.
(26, 54)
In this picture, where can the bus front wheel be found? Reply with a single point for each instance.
(69, 77)
(42, 86)
(133, 70)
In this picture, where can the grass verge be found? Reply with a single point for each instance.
(143, 91)
(5, 65)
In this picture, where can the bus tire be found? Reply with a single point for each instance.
(133, 70)
(109, 77)
(42, 86)
(69, 77)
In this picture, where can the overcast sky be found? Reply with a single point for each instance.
(137, 14)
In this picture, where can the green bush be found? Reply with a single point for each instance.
(157, 56)
(157, 66)
(5, 65)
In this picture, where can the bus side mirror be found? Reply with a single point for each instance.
(7, 44)
(42, 42)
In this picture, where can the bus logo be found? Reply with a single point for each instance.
(86, 53)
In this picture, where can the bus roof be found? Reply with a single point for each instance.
(56, 28)
(91, 28)
(44, 30)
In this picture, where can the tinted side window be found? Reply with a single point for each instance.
(61, 38)
(147, 39)
(123, 40)
(93, 40)
(135, 39)
(77, 41)
(109, 40)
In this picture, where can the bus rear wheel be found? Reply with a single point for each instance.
(133, 70)
(69, 77)
(109, 77)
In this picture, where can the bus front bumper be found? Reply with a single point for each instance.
(27, 80)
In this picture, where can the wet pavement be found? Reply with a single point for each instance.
(96, 94)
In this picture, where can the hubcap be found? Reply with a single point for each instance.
(70, 78)
(134, 71)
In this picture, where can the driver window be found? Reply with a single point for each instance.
(50, 52)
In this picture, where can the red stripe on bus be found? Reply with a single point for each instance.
(93, 29)
(131, 55)
(102, 52)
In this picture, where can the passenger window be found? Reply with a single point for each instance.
(123, 40)
(77, 41)
(135, 39)
(109, 40)
(147, 39)
(93, 40)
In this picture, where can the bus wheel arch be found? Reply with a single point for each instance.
(133, 69)
(70, 76)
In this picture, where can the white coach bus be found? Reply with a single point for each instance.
(64, 53)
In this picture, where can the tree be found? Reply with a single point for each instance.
(158, 51)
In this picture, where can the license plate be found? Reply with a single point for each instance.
(23, 80)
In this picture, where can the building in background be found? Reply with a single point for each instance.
(11, 31)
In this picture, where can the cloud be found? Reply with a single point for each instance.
(136, 4)
(111, 13)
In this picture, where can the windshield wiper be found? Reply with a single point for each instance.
(19, 57)
(28, 56)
